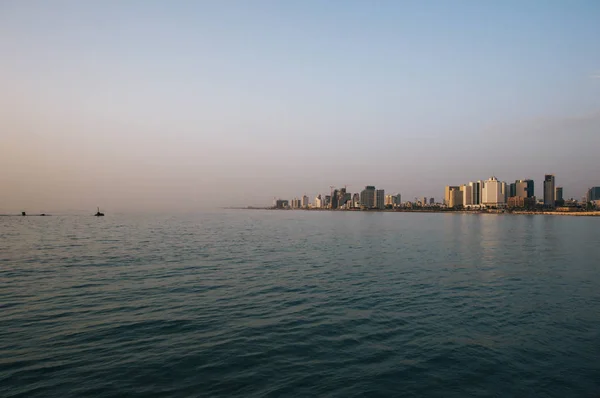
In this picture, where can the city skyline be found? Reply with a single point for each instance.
(260, 99)
(473, 190)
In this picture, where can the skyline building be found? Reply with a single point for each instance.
(593, 194)
(431, 201)
(334, 199)
(467, 191)
(397, 199)
(380, 199)
(523, 189)
(389, 200)
(318, 202)
(558, 196)
(367, 197)
(549, 190)
(447, 193)
(305, 201)
(455, 196)
(493, 192)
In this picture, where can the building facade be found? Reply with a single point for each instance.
(380, 199)
(593, 194)
(367, 197)
(493, 193)
(549, 190)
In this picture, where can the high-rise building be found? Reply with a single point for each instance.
(492, 193)
(523, 189)
(467, 192)
(476, 192)
(455, 197)
(380, 199)
(512, 190)
(549, 190)
(356, 200)
(558, 196)
(431, 201)
(305, 201)
(318, 202)
(296, 203)
(327, 201)
(334, 199)
(593, 194)
(397, 199)
(389, 200)
(367, 197)
(424, 201)
(447, 194)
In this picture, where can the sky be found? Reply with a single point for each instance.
(187, 105)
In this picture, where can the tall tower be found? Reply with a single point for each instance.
(549, 190)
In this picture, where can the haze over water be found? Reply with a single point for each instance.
(281, 303)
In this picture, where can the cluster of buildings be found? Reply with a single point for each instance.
(368, 198)
(493, 193)
(483, 194)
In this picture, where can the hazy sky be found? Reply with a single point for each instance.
(183, 105)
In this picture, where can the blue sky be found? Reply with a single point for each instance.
(162, 105)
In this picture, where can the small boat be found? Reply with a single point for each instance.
(98, 214)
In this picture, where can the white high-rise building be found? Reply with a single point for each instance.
(492, 193)
(318, 202)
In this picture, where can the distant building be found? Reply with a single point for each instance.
(296, 203)
(281, 204)
(327, 201)
(492, 193)
(467, 192)
(397, 200)
(523, 189)
(447, 191)
(380, 199)
(431, 201)
(593, 194)
(356, 200)
(389, 200)
(305, 201)
(367, 197)
(318, 202)
(521, 202)
(549, 191)
(558, 196)
(455, 197)
(334, 199)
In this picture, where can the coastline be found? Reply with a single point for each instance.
(496, 212)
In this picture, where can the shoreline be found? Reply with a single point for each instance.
(496, 212)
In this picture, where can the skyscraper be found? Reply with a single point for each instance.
(380, 199)
(476, 192)
(305, 201)
(389, 200)
(447, 191)
(492, 193)
(593, 194)
(558, 196)
(549, 190)
(431, 201)
(455, 197)
(334, 199)
(318, 202)
(367, 197)
(467, 191)
(523, 188)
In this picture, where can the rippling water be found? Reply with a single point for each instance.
(259, 303)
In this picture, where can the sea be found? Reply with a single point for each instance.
(257, 303)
